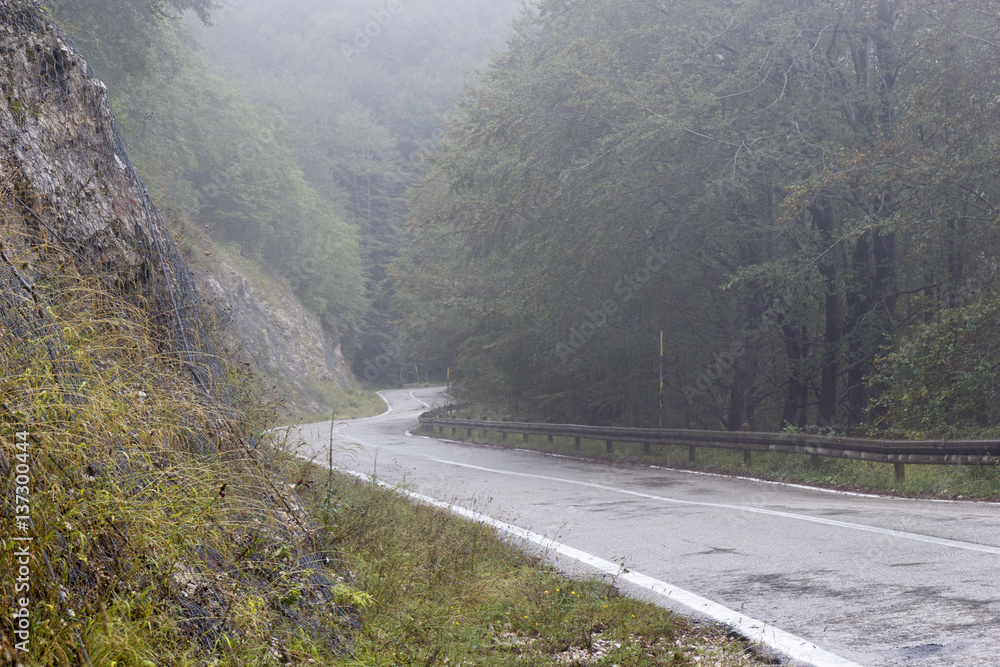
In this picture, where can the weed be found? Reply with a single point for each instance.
(449, 591)
(160, 531)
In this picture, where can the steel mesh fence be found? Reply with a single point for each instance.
(81, 191)
(70, 193)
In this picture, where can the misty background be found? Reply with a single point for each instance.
(799, 199)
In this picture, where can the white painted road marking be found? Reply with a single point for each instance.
(414, 398)
(939, 541)
(860, 607)
(799, 650)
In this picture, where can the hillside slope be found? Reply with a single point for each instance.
(298, 360)
(144, 520)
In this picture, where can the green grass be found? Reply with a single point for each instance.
(354, 404)
(440, 590)
(363, 403)
(930, 481)
(162, 531)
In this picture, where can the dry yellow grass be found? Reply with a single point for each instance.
(152, 523)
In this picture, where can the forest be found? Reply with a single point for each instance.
(800, 195)
(727, 214)
(256, 132)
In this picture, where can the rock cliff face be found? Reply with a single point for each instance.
(291, 351)
(60, 152)
(69, 188)
(64, 168)
(124, 435)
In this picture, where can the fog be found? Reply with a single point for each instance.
(815, 200)
(362, 90)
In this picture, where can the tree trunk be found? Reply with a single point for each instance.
(795, 410)
(746, 364)
(741, 401)
(822, 215)
(859, 299)
(955, 265)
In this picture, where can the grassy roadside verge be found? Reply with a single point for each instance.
(355, 404)
(440, 590)
(144, 522)
(922, 481)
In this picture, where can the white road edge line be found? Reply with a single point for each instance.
(805, 487)
(940, 541)
(916, 537)
(388, 409)
(426, 405)
(388, 406)
(336, 431)
(300, 427)
(797, 649)
(686, 471)
(756, 480)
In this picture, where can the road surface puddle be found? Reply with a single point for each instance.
(922, 651)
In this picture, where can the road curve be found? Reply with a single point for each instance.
(875, 581)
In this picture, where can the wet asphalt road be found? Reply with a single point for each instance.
(879, 581)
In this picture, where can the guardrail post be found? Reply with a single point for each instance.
(746, 428)
(898, 453)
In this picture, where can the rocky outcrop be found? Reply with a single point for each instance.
(60, 154)
(123, 455)
(64, 167)
(70, 191)
(288, 346)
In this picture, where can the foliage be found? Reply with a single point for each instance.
(782, 190)
(944, 379)
(124, 36)
(359, 110)
(217, 161)
(817, 178)
(310, 177)
(446, 591)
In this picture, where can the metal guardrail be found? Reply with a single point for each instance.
(898, 452)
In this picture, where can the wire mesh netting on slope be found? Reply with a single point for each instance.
(158, 527)
(67, 169)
